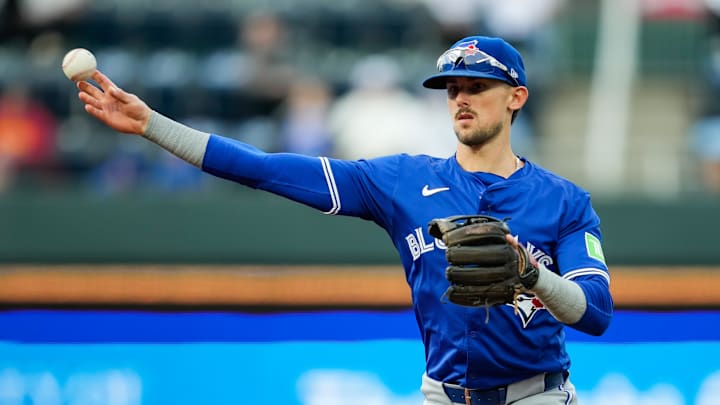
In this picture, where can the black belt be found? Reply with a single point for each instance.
(495, 396)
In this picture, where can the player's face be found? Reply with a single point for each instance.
(479, 108)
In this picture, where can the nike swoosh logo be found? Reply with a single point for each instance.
(427, 192)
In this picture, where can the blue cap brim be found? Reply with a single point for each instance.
(438, 81)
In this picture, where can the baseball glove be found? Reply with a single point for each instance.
(485, 269)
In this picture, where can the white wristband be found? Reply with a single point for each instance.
(184, 142)
(564, 299)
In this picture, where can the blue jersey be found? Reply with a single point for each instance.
(472, 347)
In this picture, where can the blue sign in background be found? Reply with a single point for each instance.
(344, 357)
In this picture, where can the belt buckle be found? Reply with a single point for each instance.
(495, 396)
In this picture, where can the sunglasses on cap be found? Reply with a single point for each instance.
(474, 60)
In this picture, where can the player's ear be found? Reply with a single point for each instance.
(518, 97)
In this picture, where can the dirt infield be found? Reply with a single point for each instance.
(321, 286)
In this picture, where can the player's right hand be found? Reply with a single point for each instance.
(124, 112)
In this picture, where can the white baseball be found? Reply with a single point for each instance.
(79, 64)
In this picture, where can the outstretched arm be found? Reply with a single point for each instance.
(308, 180)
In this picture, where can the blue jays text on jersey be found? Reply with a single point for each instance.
(549, 215)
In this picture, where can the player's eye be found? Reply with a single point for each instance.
(477, 87)
(452, 91)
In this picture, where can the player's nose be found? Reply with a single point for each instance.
(462, 99)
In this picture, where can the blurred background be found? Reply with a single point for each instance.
(125, 273)
(622, 95)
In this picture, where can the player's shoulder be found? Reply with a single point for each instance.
(400, 164)
(546, 178)
(422, 159)
(408, 161)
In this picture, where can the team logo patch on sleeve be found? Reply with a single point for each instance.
(593, 247)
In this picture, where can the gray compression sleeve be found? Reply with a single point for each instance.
(564, 299)
(184, 142)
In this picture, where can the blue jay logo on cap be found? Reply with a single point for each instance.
(482, 57)
(467, 45)
(459, 51)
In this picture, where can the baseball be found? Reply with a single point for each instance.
(79, 64)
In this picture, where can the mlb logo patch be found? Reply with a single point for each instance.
(594, 247)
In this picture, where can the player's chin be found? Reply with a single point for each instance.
(472, 138)
(464, 131)
(465, 138)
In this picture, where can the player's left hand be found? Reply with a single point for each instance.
(521, 251)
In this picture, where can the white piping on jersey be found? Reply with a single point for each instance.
(569, 394)
(587, 272)
(332, 187)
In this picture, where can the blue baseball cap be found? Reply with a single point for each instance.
(479, 56)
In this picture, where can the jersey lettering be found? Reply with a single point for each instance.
(424, 247)
(541, 257)
(417, 244)
(414, 246)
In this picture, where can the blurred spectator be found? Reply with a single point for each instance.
(254, 77)
(38, 13)
(121, 170)
(705, 132)
(528, 25)
(132, 165)
(27, 133)
(378, 117)
(520, 21)
(263, 39)
(248, 83)
(706, 146)
(712, 57)
(21, 17)
(170, 174)
(456, 18)
(304, 126)
(120, 173)
(9, 19)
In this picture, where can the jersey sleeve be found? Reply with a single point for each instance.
(579, 246)
(336, 187)
(581, 259)
(365, 188)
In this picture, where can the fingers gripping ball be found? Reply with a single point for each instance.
(79, 64)
(484, 269)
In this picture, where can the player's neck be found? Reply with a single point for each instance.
(495, 159)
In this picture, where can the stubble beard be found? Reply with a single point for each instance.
(478, 136)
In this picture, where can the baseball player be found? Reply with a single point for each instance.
(511, 353)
